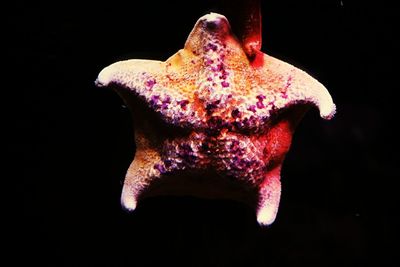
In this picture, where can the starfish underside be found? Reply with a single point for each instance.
(211, 110)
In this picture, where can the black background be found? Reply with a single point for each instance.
(73, 142)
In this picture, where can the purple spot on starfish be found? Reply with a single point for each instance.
(209, 62)
(212, 106)
(167, 163)
(154, 101)
(160, 168)
(236, 113)
(225, 84)
(150, 83)
(252, 108)
(211, 46)
(260, 105)
(261, 97)
(183, 103)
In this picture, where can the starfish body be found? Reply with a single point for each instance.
(212, 108)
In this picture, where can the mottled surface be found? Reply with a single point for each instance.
(211, 107)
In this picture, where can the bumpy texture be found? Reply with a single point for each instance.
(212, 107)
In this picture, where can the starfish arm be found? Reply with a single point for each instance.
(140, 174)
(165, 88)
(291, 85)
(133, 74)
(269, 198)
(146, 80)
(278, 140)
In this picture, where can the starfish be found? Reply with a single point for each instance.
(213, 120)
